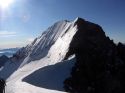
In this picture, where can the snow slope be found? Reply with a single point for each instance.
(40, 67)
(39, 77)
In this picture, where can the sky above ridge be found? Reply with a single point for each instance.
(23, 20)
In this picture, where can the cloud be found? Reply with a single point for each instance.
(7, 33)
(30, 39)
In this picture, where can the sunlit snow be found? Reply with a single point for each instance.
(42, 69)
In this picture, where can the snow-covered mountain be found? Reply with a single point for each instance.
(40, 66)
(45, 65)
(8, 52)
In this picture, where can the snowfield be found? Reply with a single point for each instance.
(40, 78)
(40, 66)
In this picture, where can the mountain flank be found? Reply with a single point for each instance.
(100, 63)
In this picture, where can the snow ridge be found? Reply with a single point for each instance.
(49, 49)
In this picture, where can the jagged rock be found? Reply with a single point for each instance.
(100, 65)
(121, 50)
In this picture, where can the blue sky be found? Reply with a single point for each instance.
(24, 20)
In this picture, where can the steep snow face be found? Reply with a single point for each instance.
(40, 47)
(53, 43)
(44, 58)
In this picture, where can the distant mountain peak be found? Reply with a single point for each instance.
(4, 56)
(3, 60)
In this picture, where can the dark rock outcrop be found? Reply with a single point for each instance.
(3, 60)
(100, 66)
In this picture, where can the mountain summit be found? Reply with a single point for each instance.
(76, 56)
(100, 63)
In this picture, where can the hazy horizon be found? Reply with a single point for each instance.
(23, 20)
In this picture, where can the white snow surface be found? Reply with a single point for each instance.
(40, 67)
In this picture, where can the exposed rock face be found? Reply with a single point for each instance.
(121, 51)
(100, 66)
(3, 59)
